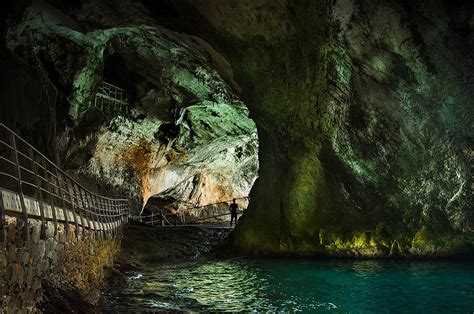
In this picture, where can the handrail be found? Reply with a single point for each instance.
(221, 202)
(146, 217)
(112, 87)
(213, 216)
(28, 175)
(111, 99)
(52, 163)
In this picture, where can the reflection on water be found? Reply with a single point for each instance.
(300, 285)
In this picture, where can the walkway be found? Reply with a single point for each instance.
(210, 217)
(111, 100)
(32, 186)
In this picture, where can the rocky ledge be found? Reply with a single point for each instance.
(155, 244)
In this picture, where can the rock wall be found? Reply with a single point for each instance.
(374, 157)
(363, 110)
(59, 272)
(187, 134)
(364, 116)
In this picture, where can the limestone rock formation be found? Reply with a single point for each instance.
(363, 109)
(365, 121)
(186, 132)
(375, 155)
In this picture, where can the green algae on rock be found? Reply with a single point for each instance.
(365, 128)
(363, 110)
(186, 132)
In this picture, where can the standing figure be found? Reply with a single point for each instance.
(233, 211)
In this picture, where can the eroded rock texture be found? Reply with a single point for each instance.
(364, 115)
(56, 273)
(369, 117)
(186, 133)
(363, 109)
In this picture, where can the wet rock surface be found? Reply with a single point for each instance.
(185, 132)
(55, 274)
(363, 110)
(65, 300)
(143, 244)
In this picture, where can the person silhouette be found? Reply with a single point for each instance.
(233, 211)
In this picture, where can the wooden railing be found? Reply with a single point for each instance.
(32, 186)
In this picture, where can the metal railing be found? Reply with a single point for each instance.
(111, 99)
(32, 186)
(210, 214)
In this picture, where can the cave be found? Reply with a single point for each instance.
(343, 131)
(117, 73)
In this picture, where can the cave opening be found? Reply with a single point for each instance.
(117, 72)
(195, 153)
(167, 210)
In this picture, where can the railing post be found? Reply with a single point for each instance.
(102, 204)
(109, 218)
(50, 196)
(120, 218)
(20, 188)
(96, 213)
(123, 217)
(2, 219)
(118, 211)
(80, 208)
(106, 218)
(73, 207)
(86, 208)
(63, 202)
(100, 216)
(40, 193)
(115, 218)
(105, 212)
(92, 212)
(126, 210)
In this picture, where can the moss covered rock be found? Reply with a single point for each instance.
(363, 110)
(365, 124)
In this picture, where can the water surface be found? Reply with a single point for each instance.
(361, 286)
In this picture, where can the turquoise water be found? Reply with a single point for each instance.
(358, 286)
